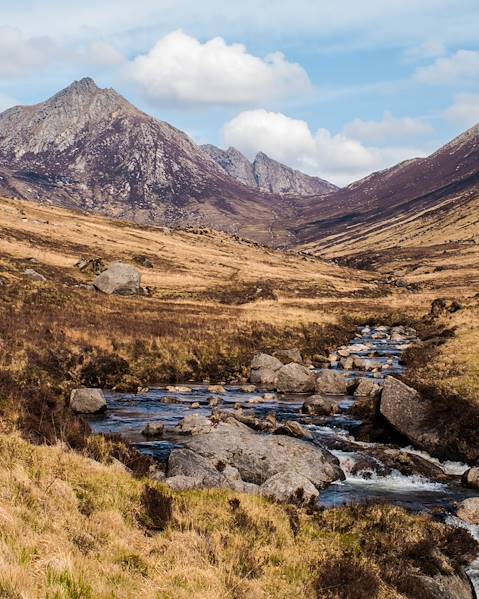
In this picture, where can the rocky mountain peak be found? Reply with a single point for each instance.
(267, 174)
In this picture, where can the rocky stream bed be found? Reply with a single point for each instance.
(288, 440)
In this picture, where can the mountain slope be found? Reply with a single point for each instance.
(446, 179)
(418, 221)
(89, 148)
(267, 174)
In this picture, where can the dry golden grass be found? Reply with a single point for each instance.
(71, 528)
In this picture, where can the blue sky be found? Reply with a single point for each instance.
(338, 89)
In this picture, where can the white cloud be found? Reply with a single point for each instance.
(465, 110)
(179, 69)
(336, 157)
(103, 54)
(428, 49)
(460, 67)
(19, 55)
(389, 128)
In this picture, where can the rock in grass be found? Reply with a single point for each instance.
(87, 401)
(289, 487)
(119, 279)
(295, 378)
(34, 275)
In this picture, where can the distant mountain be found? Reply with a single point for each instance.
(267, 174)
(391, 207)
(89, 148)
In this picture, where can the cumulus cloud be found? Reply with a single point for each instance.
(465, 110)
(181, 70)
(460, 67)
(19, 54)
(389, 128)
(336, 157)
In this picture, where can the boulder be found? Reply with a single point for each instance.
(286, 356)
(331, 383)
(258, 457)
(469, 510)
(178, 389)
(183, 462)
(367, 388)
(289, 487)
(263, 370)
(410, 414)
(445, 586)
(34, 275)
(195, 424)
(317, 405)
(87, 401)
(248, 389)
(119, 279)
(153, 429)
(470, 478)
(295, 378)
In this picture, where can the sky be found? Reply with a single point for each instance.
(337, 89)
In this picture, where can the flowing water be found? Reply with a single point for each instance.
(128, 414)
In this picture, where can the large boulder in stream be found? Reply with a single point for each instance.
(317, 405)
(263, 370)
(257, 457)
(295, 378)
(331, 383)
(119, 279)
(410, 414)
(288, 355)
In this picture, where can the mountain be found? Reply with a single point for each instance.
(267, 174)
(408, 204)
(89, 148)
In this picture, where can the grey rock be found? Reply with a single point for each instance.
(293, 429)
(183, 462)
(286, 356)
(410, 414)
(87, 401)
(331, 383)
(34, 275)
(263, 370)
(317, 405)
(290, 487)
(195, 424)
(258, 457)
(295, 378)
(367, 388)
(184, 483)
(120, 279)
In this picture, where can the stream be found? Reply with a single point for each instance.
(128, 414)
